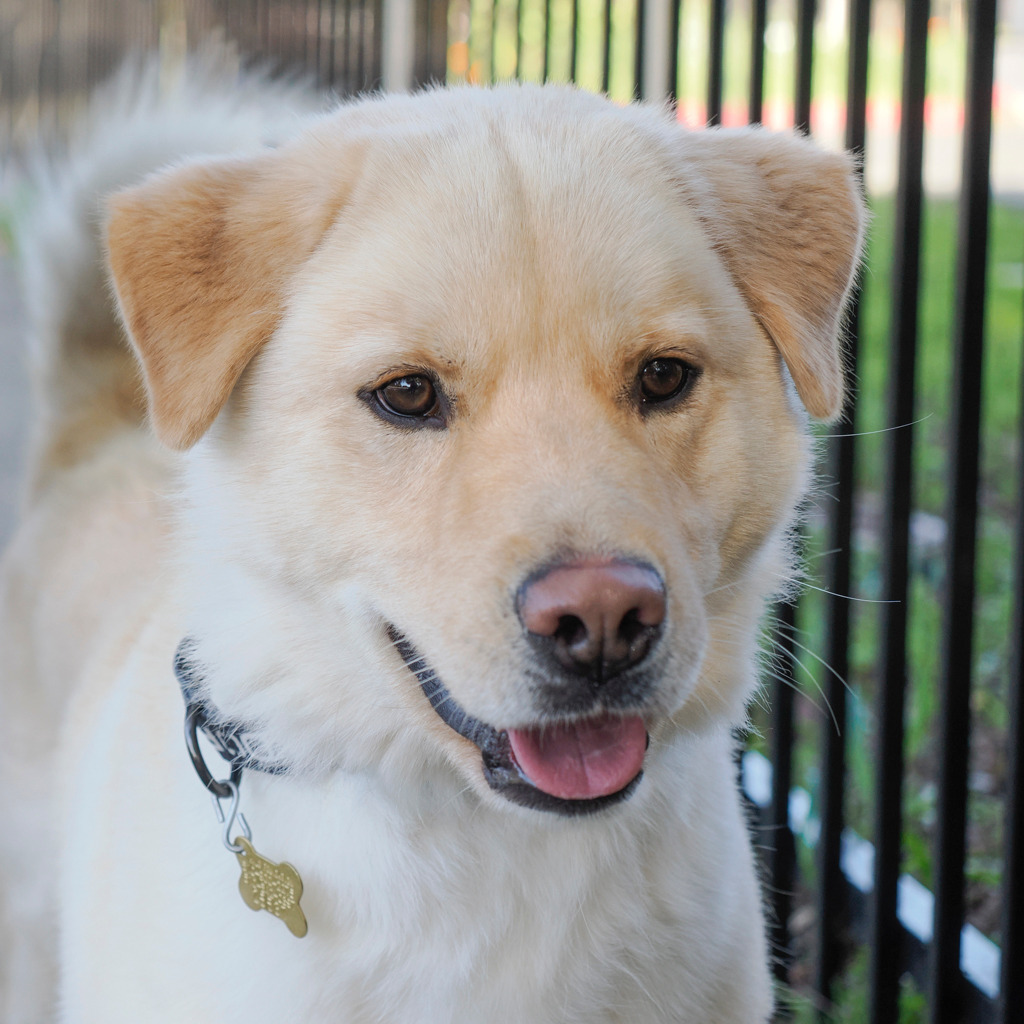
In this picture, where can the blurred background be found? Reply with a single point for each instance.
(882, 760)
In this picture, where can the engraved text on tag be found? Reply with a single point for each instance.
(265, 885)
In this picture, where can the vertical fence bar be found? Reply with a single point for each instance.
(317, 43)
(233, 21)
(472, 44)
(359, 50)
(438, 42)
(322, 41)
(369, 78)
(638, 50)
(73, 53)
(673, 49)
(377, 41)
(495, 8)
(309, 39)
(804, 65)
(332, 45)
(349, 44)
(859, 28)
(275, 28)
(263, 25)
(90, 49)
(421, 47)
(1011, 988)
(360, 30)
(574, 12)
(431, 64)
(884, 967)
(547, 39)
(520, 41)
(342, 40)
(606, 70)
(832, 909)
(782, 859)
(7, 106)
(958, 599)
(758, 23)
(716, 56)
(47, 89)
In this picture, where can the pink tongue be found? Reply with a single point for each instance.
(581, 760)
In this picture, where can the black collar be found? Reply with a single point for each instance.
(232, 740)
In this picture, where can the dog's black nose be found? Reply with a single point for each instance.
(597, 619)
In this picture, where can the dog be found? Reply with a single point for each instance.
(438, 492)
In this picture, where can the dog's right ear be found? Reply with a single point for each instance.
(201, 257)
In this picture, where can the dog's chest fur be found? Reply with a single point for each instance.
(421, 914)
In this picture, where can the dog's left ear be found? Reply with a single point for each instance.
(788, 219)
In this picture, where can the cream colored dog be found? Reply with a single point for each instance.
(480, 423)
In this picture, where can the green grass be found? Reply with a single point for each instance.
(1003, 330)
(6, 229)
(849, 1004)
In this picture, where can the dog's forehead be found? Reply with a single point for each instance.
(507, 222)
(501, 174)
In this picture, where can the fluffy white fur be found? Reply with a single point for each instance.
(298, 525)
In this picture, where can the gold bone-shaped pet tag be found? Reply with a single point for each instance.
(265, 885)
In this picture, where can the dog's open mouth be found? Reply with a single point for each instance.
(571, 768)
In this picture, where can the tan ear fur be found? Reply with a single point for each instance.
(788, 219)
(201, 256)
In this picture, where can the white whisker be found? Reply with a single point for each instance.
(881, 430)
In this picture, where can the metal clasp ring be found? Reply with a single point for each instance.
(232, 790)
(221, 789)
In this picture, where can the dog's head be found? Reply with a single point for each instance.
(495, 399)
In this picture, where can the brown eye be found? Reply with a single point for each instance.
(664, 379)
(412, 397)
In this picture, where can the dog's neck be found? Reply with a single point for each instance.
(234, 741)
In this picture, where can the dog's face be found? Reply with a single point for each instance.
(514, 459)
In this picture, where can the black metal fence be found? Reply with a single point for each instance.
(53, 52)
(890, 631)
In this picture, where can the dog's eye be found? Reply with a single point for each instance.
(410, 397)
(661, 380)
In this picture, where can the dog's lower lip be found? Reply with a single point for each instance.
(500, 766)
